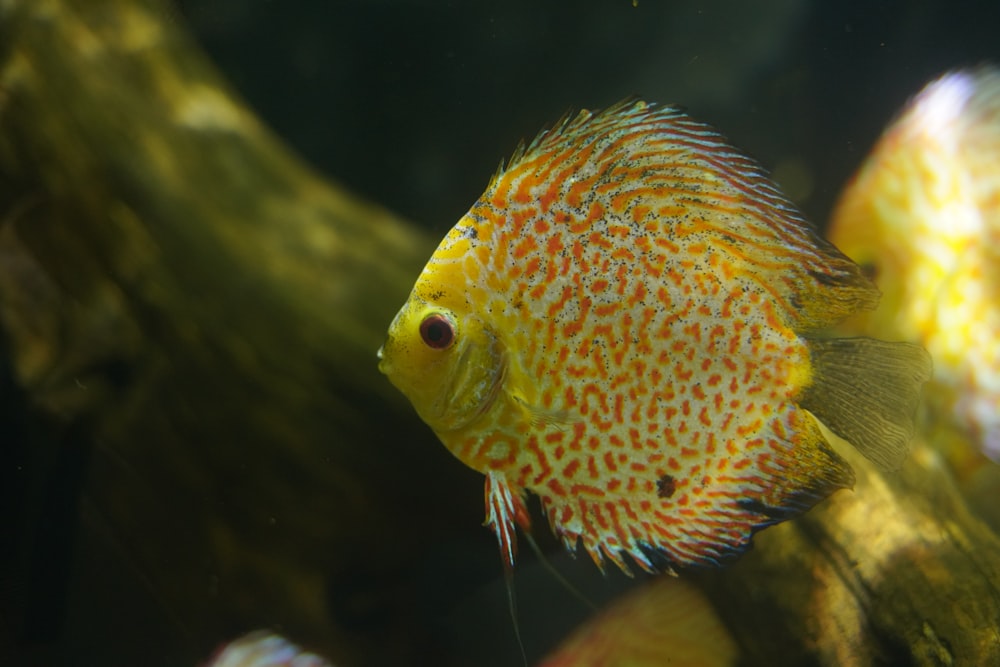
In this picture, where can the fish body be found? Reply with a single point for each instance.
(923, 213)
(625, 324)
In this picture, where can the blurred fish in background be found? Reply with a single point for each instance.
(667, 621)
(923, 216)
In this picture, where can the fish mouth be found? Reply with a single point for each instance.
(383, 363)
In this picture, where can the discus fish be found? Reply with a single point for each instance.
(666, 621)
(923, 213)
(626, 324)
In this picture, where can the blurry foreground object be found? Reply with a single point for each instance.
(923, 214)
(667, 621)
(265, 649)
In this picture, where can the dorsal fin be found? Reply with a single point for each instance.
(662, 160)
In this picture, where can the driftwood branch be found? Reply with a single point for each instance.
(183, 290)
(897, 571)
(180, 291)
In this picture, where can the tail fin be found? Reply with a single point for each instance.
(866, 391)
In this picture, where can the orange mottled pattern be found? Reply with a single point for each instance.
(647, 285)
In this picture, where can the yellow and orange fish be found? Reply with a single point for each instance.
(665, 621)
(923, 213)
(628, 324)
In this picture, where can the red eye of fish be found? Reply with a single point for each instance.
(437, 331)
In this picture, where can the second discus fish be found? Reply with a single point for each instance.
(627, 323)
(924, 213)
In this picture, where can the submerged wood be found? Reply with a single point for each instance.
(179, 288)
(895, 572)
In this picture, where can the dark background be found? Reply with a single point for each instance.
(413, 103)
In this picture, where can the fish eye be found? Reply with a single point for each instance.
(437, 331)
(869, 270)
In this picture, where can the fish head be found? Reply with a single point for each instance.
(444, 357)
